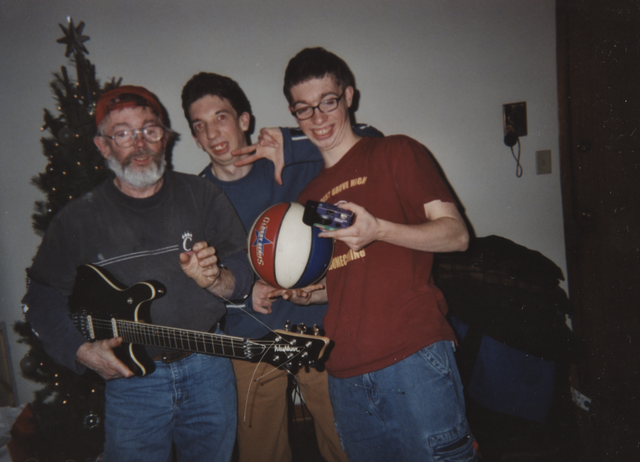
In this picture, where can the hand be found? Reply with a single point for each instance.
(201, 264)
(260, 297)
(312, 294)
(99, 357)
(269, 146)
(361, 233)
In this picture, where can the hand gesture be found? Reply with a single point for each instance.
(260, 297)
(201, 264)
(99, 357)
(312, 294)
(269, 146)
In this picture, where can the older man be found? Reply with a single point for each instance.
(145, 223)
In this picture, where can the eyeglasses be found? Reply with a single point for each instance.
(127, 138)
(328, 105)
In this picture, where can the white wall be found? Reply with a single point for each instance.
(437, 70)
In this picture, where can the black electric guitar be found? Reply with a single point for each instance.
(102, 308)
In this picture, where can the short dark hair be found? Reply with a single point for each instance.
(316, 63)
(208, 83)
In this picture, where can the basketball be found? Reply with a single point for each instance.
(285, 252)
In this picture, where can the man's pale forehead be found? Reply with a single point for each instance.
(322, 96)
(132, 112)
(208, 109)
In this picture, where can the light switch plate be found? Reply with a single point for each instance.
(543, 162)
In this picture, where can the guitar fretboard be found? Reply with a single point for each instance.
(171, 338)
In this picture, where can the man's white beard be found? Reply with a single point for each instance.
(139, 178)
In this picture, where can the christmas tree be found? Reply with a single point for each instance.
(68, 412)
(75, 164)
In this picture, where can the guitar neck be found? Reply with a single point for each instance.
(186, 340)
(102, 308)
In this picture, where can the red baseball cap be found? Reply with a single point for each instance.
(126, 96)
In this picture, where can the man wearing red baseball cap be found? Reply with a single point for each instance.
(147, 223)
(144, 169)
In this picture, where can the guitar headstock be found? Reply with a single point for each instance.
(283, 348)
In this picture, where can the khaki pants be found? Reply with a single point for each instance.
(262, 412)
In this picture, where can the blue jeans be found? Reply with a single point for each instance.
(191, 402)
(410, 411)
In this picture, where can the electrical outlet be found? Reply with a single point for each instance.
(515, 118)
(543, 162)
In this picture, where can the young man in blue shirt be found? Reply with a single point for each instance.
(219, 115)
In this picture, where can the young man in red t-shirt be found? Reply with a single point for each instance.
(394, 384)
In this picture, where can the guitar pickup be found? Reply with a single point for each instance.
(92, 334)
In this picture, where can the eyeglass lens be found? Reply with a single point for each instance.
(127, 138)
(325, 106)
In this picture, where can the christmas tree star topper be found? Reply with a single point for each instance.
(73, 38)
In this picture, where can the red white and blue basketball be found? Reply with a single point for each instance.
(284, 251)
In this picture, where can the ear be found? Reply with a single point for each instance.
(245, 121)
(102, 145)
(348, 95)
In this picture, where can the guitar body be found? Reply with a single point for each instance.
(102, 308)
(97, 294)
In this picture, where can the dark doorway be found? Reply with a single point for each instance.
(599, 101)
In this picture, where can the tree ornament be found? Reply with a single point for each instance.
(28, 364)
(65, 135)
(91, 420)
(73, 38)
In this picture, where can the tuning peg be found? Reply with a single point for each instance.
(302, 328)
(287, 325)
(316, 330)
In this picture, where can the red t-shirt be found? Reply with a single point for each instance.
(383, 304)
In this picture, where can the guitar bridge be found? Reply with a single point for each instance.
(84, 324)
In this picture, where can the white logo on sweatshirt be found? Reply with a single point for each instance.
(186, 237)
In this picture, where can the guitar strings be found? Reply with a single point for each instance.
(173, 338)
(253, 379)
(136, 328)
(242, 308)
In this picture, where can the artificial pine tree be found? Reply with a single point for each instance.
(68, 412)
(75, 164)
